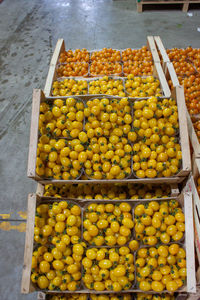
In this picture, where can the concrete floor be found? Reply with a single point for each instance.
(28, 34)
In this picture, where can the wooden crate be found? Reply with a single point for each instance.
(163, 53)
(184, 198)
(185, 3)
(193, 137)
(157, 73)
(178, 94)
(60, 47)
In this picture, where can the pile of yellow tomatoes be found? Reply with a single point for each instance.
(61, 118)
(133, 86)
(99, 248)
(160, 268)
(103, 137)
(157, 152)
(108, 269)
(108, 86)
(108, 224)
(56, 264)
(68, 87)
(159, 222)
(142, 87)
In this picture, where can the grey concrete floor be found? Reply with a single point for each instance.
(28, 34)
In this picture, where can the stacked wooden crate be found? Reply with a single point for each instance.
(162, 68)
(195, 147)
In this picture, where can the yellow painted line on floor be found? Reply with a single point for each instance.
(6, 226)
(22, 214)
(5, 216)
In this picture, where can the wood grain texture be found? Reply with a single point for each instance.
(184, 137)
(189, 238)
(26, 286)
(37, 94)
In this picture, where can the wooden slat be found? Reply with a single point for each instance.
(186, 162)
(171, 74)
(152, 47)
(37, 94)
(165, 87)
(60, 47)
(166, 180)
(193, 137)
(191, 187)
(162, 50)
(26, 286)
(189, 237)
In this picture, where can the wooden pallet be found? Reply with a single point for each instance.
(185, 3)
(185, 199)
(178, 94)
(60, 47)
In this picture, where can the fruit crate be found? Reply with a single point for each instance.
(185, 199)
(178, 94)
(60, 47)
(161, 49)
(157, 74)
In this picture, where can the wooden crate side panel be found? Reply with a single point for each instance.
(26, 286)
(158, 72)
(186, 161)
(193, 137)
(152, 47)
(190, 186)
(31, 172)
(189, 237)
(166, 180)
(60, 47)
